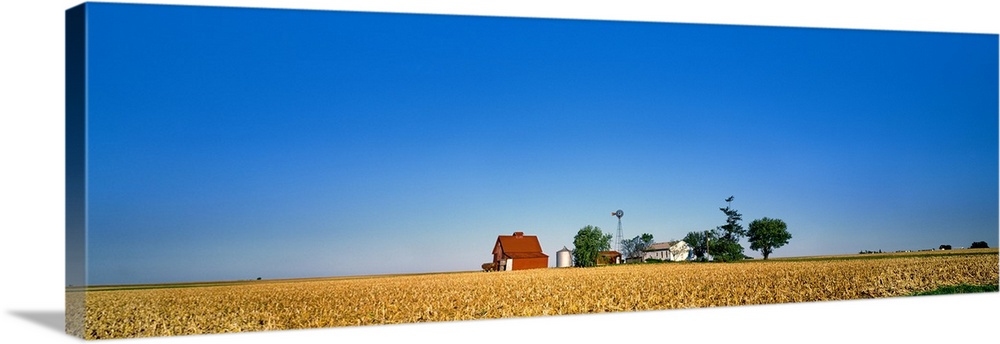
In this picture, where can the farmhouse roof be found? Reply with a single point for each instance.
(520, 244)
(660, 246)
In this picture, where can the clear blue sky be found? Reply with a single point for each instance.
(242, 143)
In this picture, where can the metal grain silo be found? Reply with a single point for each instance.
(563, 258)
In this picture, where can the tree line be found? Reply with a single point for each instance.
(721, 243)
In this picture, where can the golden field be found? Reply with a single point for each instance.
(142, 311)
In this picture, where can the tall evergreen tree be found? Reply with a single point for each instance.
(726, 246)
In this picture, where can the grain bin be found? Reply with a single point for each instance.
(563, 258)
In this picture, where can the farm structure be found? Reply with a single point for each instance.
(517, 252)
(564, 258)
(608, 258)
(673, 251)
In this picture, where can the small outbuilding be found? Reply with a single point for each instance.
(518, 252)
(608, 258)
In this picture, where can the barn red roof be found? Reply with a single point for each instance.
(519, 245)
(521, 255)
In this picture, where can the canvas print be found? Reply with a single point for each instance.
(244, 169)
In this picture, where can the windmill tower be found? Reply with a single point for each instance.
(618, 239)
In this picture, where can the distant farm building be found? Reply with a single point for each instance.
(564, 258)
(518, 252)
(669, 251)
(608, 258)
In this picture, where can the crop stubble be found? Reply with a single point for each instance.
(267, 305)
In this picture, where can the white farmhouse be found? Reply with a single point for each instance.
(673, 251)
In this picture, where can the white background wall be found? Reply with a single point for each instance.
(31, 185)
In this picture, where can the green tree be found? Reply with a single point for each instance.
(726, 244)
(698, 241)
(587, 242)
(647, 239)
(633, 247)
(979, 244)
(766, 234)
(725, 250)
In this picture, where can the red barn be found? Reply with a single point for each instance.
(518, 252)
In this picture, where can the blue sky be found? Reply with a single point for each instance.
(237, 143)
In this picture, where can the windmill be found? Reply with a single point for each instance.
(618, 239)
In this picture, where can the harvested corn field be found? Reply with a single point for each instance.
(272, 305)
